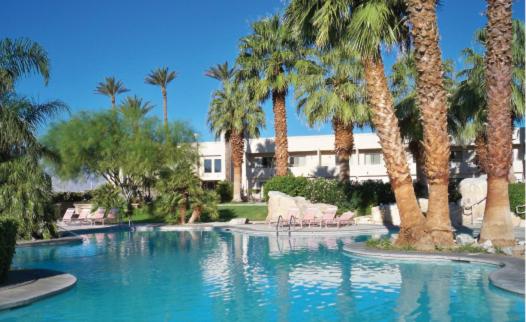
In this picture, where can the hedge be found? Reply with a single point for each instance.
(516, 195)
(8, 228)
(225, 191)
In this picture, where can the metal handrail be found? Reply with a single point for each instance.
(291, 220)
(517, 211)
(280, 219)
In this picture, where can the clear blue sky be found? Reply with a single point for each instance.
(88, 40)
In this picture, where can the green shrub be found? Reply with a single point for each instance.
(225, 191)
(8, 232)
(69, 196)
(108, 196)
(293, 186)
(516, 193)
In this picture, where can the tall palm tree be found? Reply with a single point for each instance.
(329, 86)
(266, 60)
(111, 87)
(221, 72)
(234, 113)
(497, 225)
(370, 25)
(20, 57)
(432, 102)
(161, 77)
(468, 120)
(403, 86)
(134, 109)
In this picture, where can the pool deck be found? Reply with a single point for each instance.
(26, 286)
(509, 276)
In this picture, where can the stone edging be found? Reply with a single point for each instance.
(509, 276)
(33, 285)
(47, 242)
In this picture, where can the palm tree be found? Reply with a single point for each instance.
(403, 86)
(134, 109)
(266, 60)
(19, 57)
(111, 87)
(239, 117)
(370, 25)
(468, 120)
(432, 102)
(161, 77)
(497, 225)
(329, 87)
(221, 72)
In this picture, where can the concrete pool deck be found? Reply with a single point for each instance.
(510, 275)
(26, 286)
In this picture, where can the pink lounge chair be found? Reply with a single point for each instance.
(97, 216)
(113, 215)
(345, 218)
(328, 216)
(309, 216)
(83, 216)
(68, 215)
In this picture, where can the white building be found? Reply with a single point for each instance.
(313, 156)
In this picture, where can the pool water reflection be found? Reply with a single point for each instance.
(203, 276)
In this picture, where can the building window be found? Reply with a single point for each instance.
(373, 158)
(217, 165)
(263, 162)
(297, 161)
(456, 156)
(208, 165)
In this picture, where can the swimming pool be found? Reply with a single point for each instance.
(221, 276)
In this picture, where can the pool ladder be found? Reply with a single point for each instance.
(282, 221)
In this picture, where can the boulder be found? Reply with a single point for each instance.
(238, 221)
(423, 203)
(473, 191)
(279, 204)
(488, 246)
(507, 250)
(465, 239)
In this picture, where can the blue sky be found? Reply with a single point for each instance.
(89, 40)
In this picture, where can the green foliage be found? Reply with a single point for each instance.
(385, 244)
(8, 233)
(70, 196)
(293, 186)
(516, 193)
(360, 196)
(468, 248)
(108, 196)
(225, 191)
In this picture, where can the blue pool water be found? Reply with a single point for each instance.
(219, 276)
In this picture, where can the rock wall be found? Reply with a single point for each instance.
(280, 204)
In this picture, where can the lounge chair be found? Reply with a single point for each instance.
(83, 216)
(68, 215)
(97, 216)
(328, 216)
(345, 218)
(113, 216)
(309, 216)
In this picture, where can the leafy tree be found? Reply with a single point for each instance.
(370, 25)
(266, 61)
(161, 77)
(111, 87)
(329, 86)
(237, 116)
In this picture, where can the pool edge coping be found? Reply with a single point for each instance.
(509, 275)
(41, 287)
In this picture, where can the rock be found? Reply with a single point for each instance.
(238, 221)
(375, 236)
(473, 191)
(423, 203)
(488, 246)
(465, 239)
(280, 204)
(507, 250)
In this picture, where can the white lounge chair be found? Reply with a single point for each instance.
(68, 215)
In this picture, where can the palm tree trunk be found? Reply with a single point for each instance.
(412, 222)
(182, 214)
(432, 101)
(481, 152)
(196, 215)
(237, 146)
(165, 106)
(343, 145)
(280, 127)
(113, 102)
(417, 150)
(496, 225)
